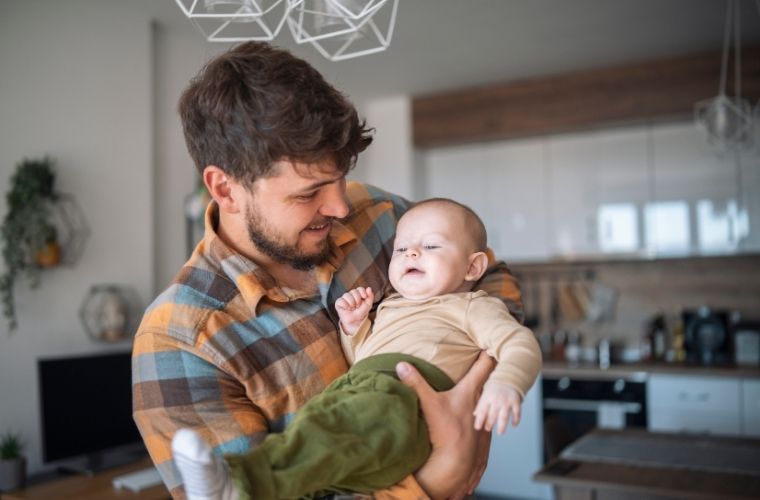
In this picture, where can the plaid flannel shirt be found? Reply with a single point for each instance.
(226, 351)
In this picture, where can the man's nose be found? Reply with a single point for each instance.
(334, 201)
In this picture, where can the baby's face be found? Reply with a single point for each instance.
(431, 253)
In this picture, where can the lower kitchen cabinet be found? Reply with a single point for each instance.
(751, 407)
(516, 455)
(698, 404)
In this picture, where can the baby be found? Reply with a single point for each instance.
(364, 432)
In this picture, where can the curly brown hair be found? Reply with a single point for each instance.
(257, 104)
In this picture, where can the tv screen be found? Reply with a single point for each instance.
(86, 405)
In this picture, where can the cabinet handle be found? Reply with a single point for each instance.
(699, 397)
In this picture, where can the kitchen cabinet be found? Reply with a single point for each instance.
(749, 203)
(698, 404)
(517, 454)
(697, 193)
(459, 173)
(516, 173)
(658, 190)
(572, 188)
(751, 407)
(599, 184)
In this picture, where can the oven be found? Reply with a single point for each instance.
(573, 405)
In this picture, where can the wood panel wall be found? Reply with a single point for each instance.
(663, 89)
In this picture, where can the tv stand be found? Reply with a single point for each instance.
(97, 485)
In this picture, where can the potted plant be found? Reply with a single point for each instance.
(29, 237)
(12, 464)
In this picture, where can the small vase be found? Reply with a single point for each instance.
(49, 255)
(12, 474)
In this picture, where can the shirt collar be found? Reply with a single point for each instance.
(253, 281)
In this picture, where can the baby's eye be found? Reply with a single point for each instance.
(431, 247)
(400, 249)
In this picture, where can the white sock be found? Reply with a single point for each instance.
(204, 474)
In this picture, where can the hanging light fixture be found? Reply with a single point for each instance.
(338, 29)
(728, 121)
(237, 20)
(343, 29)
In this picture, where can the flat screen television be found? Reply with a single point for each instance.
(86, 411)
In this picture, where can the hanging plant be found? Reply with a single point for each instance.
(29, 237)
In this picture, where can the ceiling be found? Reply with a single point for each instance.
(446, 44)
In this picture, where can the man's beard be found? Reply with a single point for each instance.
(258, 230)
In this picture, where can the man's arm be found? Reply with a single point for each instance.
(452, 470)
(174, 387)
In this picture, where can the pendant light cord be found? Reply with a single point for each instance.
(726, 41)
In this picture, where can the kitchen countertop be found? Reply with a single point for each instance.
(640, 371)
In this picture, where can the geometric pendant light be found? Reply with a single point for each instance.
(342, 29)
(338, 29)
(237, 20)
(727, 120)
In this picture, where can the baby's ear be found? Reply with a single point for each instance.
(478, 265)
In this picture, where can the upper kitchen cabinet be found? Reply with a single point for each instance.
(601, 163)
(517, 200)
(703, 198)
(459, 173)
(505, 184)
(597, 183)
(642, 191)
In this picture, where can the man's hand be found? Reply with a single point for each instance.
(353, 306)
(456, 462)
(495, 406)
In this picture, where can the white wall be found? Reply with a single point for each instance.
(388, 163)
(75, 84)
(178, 56)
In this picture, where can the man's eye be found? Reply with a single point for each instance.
(306, 197)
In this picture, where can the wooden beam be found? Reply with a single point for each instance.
(664, 89)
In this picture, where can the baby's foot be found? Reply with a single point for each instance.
(204, 474)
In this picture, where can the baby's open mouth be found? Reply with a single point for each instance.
(413, 271)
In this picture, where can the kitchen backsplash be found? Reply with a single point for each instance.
(571, 296)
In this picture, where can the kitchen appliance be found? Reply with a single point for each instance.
(573, 405)
(707, 336)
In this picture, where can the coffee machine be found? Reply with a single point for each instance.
(707, 336)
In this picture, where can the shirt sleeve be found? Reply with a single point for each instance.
(174, 386)
(352, 343)
(514, 346)
(498, 281)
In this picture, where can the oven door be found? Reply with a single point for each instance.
(572, 407)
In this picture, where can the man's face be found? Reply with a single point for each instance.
(290, 214)
(430, 253)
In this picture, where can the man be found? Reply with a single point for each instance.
(246, 333)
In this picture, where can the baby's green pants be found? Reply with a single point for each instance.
(363, 433)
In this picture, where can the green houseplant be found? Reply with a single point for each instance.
(29, 237)
(12, 463)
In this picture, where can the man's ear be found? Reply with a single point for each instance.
(221, 188)
(478, 266)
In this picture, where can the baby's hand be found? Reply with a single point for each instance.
(496, 404)
(352, 307)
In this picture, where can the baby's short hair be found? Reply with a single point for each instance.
(472, 222)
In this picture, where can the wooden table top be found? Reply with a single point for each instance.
(673, 481)
(94, 487)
